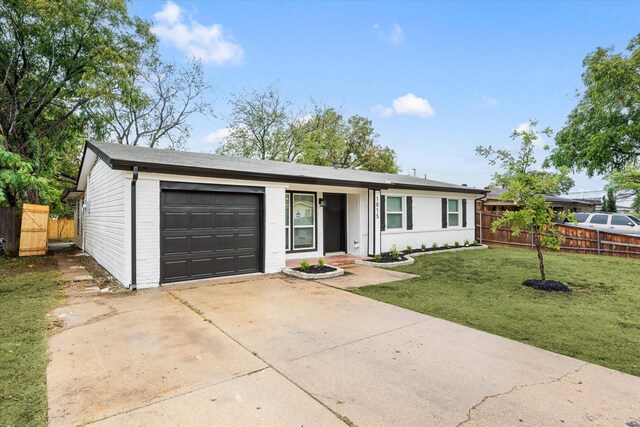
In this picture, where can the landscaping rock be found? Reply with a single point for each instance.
(547, 285)
(324, 272)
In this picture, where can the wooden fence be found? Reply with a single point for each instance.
(577, 240)
(61, 229)
(33, 232)
(10, 228)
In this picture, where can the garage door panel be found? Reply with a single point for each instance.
(224, 219)
(176, 270)
(225, 199)
(175, 221)
(176, 245)
(200, 244)
(209, 234)
(202, 220)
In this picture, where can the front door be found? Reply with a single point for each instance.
(335, 223)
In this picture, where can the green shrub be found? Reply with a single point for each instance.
(435, 245)
(446, 246)
(395, 255)
(476, 242)
(377, 257)
(409, 249)
(456, 244)
(466, 242)
(304, 265)
(321, 262)
(423, 247)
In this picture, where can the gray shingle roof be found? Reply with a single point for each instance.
(202, 164)
(497, 192)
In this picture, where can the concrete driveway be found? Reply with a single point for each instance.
(271, 350)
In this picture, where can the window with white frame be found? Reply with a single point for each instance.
(454, 212)
(287, 223)
(300, 224)
(394, 212)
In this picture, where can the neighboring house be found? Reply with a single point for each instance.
(153, 216)
(492, 202)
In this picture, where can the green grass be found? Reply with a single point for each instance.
(598, 322)
(29, 289)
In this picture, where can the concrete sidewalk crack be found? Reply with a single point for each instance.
(199, 312)
(195, 390)
(515, 388)
(358, 340)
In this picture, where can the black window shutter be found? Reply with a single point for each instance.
(409, 213)
(444, 212)
(383, 215)
(464, 212)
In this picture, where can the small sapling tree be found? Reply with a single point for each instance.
(526, 189)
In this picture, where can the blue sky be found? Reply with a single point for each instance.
(436, 78)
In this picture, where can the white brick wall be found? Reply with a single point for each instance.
(274, 230)
(148, 232)
(104, 219)
(427, 222)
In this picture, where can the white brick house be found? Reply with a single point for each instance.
(153, 217)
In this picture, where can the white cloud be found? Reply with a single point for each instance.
(411, 105)
(524, 127)
(382, 111)
(395, 36)
(489, 102)
(406, 105)
(217, 136)
(207, 43)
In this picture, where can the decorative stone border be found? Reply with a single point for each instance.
(454, 249)
(308, 276)
(408, 261)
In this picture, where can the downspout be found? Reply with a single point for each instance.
(134, 257)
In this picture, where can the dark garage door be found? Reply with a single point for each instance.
(208, 234)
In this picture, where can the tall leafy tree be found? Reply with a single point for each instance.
(526, 189)
(265, 125)
(602, 133)
(262, 126)
(153, 104)
(56, 57)
(351, 143)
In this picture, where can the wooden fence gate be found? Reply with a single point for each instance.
(33, 232)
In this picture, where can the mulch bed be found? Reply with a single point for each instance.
(439, 248)
(548, 285)
(316, 269)
(386, 257)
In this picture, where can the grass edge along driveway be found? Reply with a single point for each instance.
(598, 322)
(29, 289)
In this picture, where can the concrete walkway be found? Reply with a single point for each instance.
(270, 350)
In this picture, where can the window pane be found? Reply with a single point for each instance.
(303, 209)
(581, 217)
(635, 219)
(286, 209)
(599, 219)
(394, 221)
(303, 237)
(453, 220)
(286, 238)
(453, 205)
(620, 220)
(394, 204)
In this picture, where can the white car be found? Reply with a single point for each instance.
(609, 222)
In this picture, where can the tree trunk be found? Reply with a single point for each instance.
(540, 257)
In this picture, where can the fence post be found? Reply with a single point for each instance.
(480, 221)
(532, 239)
(598, 238)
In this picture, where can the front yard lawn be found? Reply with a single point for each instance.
(29, 289)
(598, 322)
